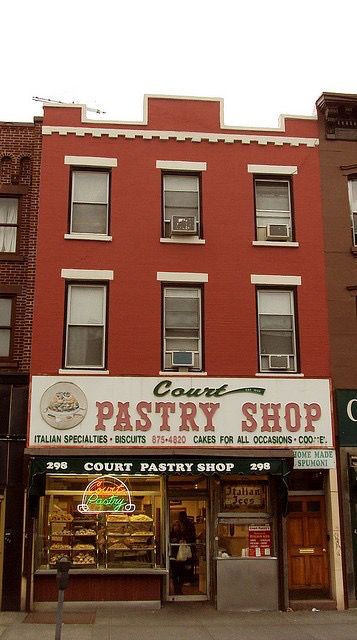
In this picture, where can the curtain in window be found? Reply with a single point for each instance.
(8, 216)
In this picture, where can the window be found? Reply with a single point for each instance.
(182, 328)
(85, 330)
(8, 224)
(6, 325)
(181, 205)
(90, 202)
(352, 191)
(273, 209)
(102, 539)
(276, 327)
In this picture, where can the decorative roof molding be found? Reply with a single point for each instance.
(191, 136)
(340, 113)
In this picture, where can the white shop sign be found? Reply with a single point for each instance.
(315, 459)
(90, 411)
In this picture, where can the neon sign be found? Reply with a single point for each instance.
(106, 494)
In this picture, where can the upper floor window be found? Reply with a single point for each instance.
(181, 205)
(182, 328)
(352, 192)
(6, 325)
(276, 331)
(8, 224)
(90, 202)
(86, 326)
(273, 210)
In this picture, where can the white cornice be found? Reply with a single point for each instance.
(191, 136)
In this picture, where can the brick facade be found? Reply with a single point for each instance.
(20, 155)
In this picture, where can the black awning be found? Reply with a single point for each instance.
(163, 465)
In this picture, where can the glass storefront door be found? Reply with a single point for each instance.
(187, 548)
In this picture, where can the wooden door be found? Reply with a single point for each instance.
(307, 544)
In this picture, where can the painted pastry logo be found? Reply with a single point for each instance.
(106, 494)
(63, 406)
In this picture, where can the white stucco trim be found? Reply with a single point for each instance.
(274, 243)
(183, 240)
(90, 161)
(272, 168)
(87, 274)
(173, 374)
(84, 372)
(275, 280)
(279, 375)
(181, 165)
(181, 136)
(87, 236)
(176, 276)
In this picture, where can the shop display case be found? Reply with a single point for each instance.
(130, 540)
(76, 538)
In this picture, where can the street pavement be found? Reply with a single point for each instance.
(189, 621)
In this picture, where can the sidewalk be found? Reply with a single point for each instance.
(197, 621)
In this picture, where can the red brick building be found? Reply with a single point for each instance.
(179, 316)
(20, 155)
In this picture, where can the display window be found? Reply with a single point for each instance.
(245, 522)
(104, 522)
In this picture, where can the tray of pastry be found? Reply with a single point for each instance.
(83, 559)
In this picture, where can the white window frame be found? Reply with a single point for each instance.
(9, 327)
(9, 225)
(263, 357)
(282, 216)
(89, 234)
(84, 285)
(166, 352)
(353, 209)
(166, 220)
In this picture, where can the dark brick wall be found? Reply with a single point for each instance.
(20, 156)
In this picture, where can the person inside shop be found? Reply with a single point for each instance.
(177, 566)
(189, 536)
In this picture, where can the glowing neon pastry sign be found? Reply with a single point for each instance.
(106, 494)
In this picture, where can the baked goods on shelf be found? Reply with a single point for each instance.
(60, 516)
(83, 547)
(118, 517)
(140, 517)
(83, 559)
(84, 532)
(120, 546)
(60, 545)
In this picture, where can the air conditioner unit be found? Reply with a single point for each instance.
(278, 232)
(182, 358)
(183, 225)
(278, 362)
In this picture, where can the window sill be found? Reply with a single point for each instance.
(274, 243)
(279, 375)
(188, 374)
(87, 236)
(183, 240)
(11, 257)
(354, 251)
(8, 365)
(84, 372)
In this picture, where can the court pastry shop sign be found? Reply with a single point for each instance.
(83, 411)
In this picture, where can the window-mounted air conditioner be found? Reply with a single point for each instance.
(183, 225)
(182, 358)
(278, 362)
(278, 232)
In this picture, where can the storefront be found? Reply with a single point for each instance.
(346, 403)
(119, 468)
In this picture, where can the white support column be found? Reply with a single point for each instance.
(333, 522)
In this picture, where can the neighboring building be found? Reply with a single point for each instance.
(337, 115)
(177, 364)
(20, 149)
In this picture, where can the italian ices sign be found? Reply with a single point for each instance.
(77, 411)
